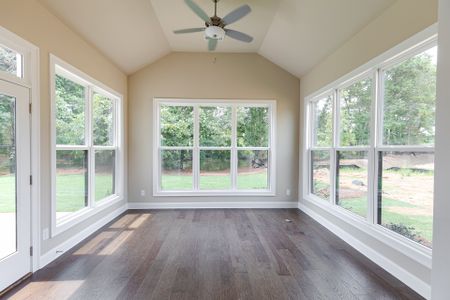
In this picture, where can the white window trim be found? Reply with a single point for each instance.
(59, 66)
(270, 192)
(408, 48)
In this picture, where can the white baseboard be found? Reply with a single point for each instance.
(205, 205)
(79, 237)
(406, 277)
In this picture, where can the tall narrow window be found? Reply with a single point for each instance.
(322, 141)
(86, 159)
(371, 144)
(214, 147)
(71, 148)
(354, 115)
(405, 176)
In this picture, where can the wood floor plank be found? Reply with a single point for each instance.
(212, 254)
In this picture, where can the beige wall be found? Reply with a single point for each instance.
(31, 21)
(203, 75)
(399, 22)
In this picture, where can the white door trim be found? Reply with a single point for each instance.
(31, 80)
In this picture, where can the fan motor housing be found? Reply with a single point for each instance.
(215, 32)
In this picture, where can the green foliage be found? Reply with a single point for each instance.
(70, 112)
(253, 127)
(355, 108)
(323, 122)
(410, 94)
(177, 125)
(103, 120)
(7, 134)
(215, 126)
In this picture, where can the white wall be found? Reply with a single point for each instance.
(209, 76)
(396, 24)
(441, 227)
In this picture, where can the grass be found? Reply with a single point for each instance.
(423, 225)
(415, 223)
(70, 192)
(215, 182)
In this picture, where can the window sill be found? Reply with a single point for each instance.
(411, 249)
(83, 214)
(261, 193)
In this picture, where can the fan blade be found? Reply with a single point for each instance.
(189, 30)
(237, 35)
(236, 14)
(198, 10)
(212, 44)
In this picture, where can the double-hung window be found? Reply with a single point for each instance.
(370, 144)
(87, 147)
(214, 147)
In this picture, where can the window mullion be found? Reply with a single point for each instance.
(335, 141)
(372, 192)
(234, 158)
(91, 152)
(196, 152)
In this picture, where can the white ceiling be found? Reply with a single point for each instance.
(295, 34)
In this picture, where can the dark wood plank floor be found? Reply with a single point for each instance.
(212, 254)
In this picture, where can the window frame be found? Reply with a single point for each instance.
(62, 68)
(196, 148)
(407, 49)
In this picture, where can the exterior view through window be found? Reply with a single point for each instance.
(224, 147)
(10, 62)
(85, 124)
(372, 154)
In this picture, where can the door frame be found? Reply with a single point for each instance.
(30, 80)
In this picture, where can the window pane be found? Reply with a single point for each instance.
(103, 120)
(215, 170)
(10, 61)
(405, 195)
(322, 135)
(320, 174)
(8, 208)
(355, 107)
(105, 165)
(176, 170)
(70, 112)
(177, 125)
(351, 180)
(252, 169)
(409, 101)
(71, 181)
(253, 126)
(215, 126)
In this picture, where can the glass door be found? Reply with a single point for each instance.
(15, 236)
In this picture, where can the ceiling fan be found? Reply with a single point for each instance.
(215, 26)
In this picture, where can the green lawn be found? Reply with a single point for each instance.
(70, 191)
(423, 225)
(215, 182)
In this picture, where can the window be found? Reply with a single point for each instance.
(214, 147)
(87, 154)
(371, 140)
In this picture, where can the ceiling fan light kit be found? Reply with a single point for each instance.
(215, 26)
(214, 32)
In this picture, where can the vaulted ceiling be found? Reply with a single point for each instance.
(294, 34)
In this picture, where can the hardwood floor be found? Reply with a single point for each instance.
(212, 254)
